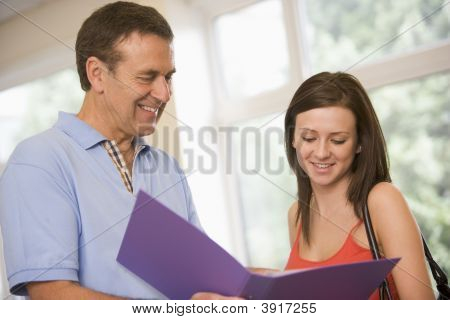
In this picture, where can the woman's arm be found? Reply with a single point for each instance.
(398, 235)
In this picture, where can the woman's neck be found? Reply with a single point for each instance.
(329, 200)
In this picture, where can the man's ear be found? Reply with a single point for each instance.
(96, 71)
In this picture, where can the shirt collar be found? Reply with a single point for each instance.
(85, 135)
(77, 129)
(140, 144)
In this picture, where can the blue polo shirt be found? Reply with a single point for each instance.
(64, 208)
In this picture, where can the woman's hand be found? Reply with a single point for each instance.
(212, 296)
(216, 296)
(263, 271)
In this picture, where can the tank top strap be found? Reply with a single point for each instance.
(356, 226)
(297, 238)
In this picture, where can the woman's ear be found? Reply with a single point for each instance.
(358, 149)
(95, 71)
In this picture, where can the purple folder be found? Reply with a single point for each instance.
(179, 260)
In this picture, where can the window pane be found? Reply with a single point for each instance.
(415, 117)
(33, 107)
(267, 194)
(340, 33)
(252, 49)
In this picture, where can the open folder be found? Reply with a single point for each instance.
(176, 258)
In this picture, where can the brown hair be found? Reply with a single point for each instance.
(109, 25)
(369, 167)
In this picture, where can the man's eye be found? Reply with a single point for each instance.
(146, 79)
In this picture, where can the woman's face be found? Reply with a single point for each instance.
(326, 143)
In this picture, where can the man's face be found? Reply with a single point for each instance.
(140, 85)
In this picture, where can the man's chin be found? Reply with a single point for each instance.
(142, 132)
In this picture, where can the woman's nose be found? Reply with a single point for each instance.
(322, 150)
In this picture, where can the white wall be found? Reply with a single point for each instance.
(39, 42)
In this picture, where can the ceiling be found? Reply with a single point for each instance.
(18, 5)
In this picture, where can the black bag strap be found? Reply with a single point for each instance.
(438, 274)
(385, 293)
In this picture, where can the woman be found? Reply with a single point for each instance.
(336, 148)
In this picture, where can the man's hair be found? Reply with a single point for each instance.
(110, 24)
(369, 167)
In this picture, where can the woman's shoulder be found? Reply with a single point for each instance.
(385, 194)
(382, 188)
(388, 206)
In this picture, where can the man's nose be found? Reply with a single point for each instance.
(161, 89)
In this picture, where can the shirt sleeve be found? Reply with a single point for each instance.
(192, 212)
(40, 227)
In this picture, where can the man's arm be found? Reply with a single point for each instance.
(64, 290)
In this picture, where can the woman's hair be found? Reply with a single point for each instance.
(369, 167)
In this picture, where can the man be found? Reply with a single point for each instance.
(66, 194)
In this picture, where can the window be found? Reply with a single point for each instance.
(252, 49)
(33, 107)
(342, 33)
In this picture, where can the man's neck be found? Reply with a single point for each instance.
(92, 113)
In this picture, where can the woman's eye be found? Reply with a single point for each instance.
(308, 139)
(338, 141)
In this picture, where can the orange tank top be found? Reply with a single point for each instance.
(348, 253)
